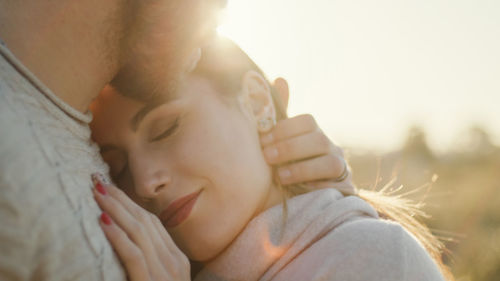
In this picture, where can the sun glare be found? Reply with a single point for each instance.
(229, 26)
(349, 58)
(239, 24)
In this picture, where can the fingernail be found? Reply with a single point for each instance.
(267, 139)
(99, 178)
(271, 153)
(284, 174)
(106, 219)
(96, 178)
(100, 188)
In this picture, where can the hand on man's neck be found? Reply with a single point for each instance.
(70, 46)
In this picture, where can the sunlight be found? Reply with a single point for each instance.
(344, 58)
(234, 20)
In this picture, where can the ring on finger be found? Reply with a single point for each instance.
(345, 173)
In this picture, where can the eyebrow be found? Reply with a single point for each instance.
(139, 116)
(107, 147)
(151, 104)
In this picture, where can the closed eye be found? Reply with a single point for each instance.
(169, 131)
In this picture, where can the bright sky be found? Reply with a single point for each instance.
(367, 70)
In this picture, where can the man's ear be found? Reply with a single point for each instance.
(257, 96)
(281, 85)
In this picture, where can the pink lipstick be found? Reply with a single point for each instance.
(179, 210)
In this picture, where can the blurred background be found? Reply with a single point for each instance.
(410, 88)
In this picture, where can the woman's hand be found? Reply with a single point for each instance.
(138, 237)
(303, 153)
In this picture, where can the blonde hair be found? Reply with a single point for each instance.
(224, 64)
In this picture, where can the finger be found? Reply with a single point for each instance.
(325, 167)
(319, 184)
(163, 243)
(290, 127)
(281, 86)
(346, 187)
(159, 235)
(160, 242)
(128, 252)
(138, 231)
(297, 148)
(176, 261)
(166, 238)
(106, 188)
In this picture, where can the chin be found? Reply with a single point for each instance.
(194, 243)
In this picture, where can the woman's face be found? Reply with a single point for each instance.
(195, 161)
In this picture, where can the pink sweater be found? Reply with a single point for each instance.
(327, 237)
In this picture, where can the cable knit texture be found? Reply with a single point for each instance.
(48, 217)
(327, 237)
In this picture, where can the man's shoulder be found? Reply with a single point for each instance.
(26, 146)
(18, 144)
(27, 124)
(12, 81)
(47, 213)
(17, 103)
(20, 98)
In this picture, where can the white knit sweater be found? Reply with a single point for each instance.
(48, 218)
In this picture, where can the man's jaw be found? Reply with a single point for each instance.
(193, 60)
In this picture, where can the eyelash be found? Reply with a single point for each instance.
(167, 132)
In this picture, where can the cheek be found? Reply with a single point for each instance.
(222, 146)
(227, 155)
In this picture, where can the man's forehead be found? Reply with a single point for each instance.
(165, 47)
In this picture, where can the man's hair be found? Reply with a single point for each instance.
(163, 36)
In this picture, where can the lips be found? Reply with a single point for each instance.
(179, 210)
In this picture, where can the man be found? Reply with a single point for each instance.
(55, 57)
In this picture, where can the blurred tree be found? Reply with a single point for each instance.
(478, 142)
(464, 203)
(416, 147)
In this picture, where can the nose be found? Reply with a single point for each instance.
(150, 176)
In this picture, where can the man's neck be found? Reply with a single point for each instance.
(63, 45)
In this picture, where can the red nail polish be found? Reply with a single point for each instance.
(106, 219)
(100, 188)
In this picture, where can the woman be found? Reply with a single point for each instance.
(194, 160)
